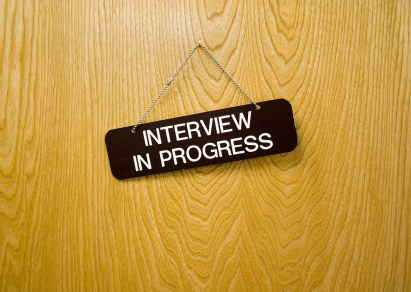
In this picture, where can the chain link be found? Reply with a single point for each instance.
(178, 71)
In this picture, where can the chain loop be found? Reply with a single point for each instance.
(200, 45)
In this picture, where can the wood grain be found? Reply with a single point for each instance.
(332, 215)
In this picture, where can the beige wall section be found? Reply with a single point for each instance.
(332, 215)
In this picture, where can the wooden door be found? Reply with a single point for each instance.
(332, 215)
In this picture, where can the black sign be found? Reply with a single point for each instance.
(202, 139)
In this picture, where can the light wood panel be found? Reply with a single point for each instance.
(332, 215)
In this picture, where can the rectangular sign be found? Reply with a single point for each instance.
(202, 139)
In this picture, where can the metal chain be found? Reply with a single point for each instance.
(178, 71)
(225, 71)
